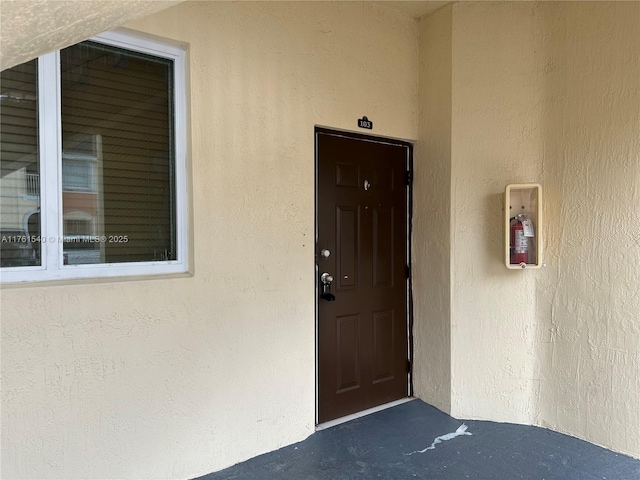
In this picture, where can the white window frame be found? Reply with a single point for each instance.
(50, 150)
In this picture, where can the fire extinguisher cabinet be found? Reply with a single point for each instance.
(523, 226)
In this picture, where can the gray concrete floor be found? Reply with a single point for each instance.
(393, 444)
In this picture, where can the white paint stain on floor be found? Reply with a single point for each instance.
(462, 430)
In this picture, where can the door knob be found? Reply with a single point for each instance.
(326, 294)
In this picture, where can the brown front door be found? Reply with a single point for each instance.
(362, 246)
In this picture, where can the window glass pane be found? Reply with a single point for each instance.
(117, 159)
(19, 167)
(77, 175)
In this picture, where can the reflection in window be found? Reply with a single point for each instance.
(19, 167)
(77, 175)
(82, 244)
(75, 227)
(117, 165)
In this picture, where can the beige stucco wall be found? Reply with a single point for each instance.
(497, 139)
(177, 378)
(432, 214)
(588, 301)
(546, 93)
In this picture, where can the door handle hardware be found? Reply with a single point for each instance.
(326, 294)
(326, 279)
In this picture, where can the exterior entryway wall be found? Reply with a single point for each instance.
(514, 93)
(178, 377)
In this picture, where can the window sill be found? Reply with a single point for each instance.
(90, 275)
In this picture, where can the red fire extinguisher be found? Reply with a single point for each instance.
(519, 242)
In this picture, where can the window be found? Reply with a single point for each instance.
(92, 161)
(77, 175)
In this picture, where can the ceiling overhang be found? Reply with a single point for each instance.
(30, 28)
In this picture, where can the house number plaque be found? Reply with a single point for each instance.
(364, 122)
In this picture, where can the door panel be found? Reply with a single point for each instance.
(362, 222)
(383, 341)
(383, 246)
(347, 175)
(347, 247)
(348, 348)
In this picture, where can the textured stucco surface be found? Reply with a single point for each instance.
(497, 139)
(588, 303)
(173, 378)
(432, 214)
(33, 27)
(548, 93)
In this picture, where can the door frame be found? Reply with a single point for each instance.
(408, 234)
